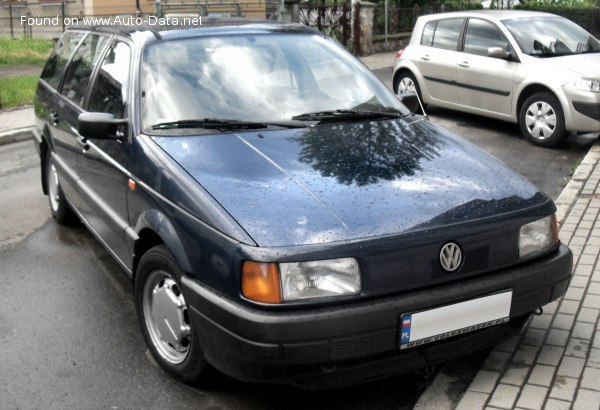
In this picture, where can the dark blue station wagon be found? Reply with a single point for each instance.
(283, 216)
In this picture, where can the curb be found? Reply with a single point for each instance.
(437, 393)
(21, 134)
(572, 191)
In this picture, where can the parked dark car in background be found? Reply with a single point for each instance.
(535, 69)
(283, 216)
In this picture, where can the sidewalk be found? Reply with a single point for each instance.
(555, 362)
(15, 125)
(380, 60)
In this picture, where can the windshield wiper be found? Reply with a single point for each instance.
(340, 115)
(222, 124)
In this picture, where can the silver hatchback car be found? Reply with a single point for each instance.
(536, 69)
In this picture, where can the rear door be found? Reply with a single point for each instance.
(50, 108)
(485, 84)
(437, 58)
(70, 104)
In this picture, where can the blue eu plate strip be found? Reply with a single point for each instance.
(405, 329)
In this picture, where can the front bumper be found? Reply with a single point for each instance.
(350, 343)
(584, 111)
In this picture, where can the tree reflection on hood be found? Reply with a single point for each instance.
(365, 152)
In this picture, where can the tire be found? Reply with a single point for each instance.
(406, 82)
(542, 120)
(160, 305)
(59, 207)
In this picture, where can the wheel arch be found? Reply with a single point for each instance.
(45, 145)
(43, 154)
(154, 228)
(397, 74)
(531, 89)
(410, 68)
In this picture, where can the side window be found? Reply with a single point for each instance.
(81, 67)
(58, 60)
(482, 35)
(109, 93)
(447, 33)
(427, 38)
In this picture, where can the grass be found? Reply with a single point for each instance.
(17, 91)
(24, 51)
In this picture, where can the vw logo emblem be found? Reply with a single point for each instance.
(451, 257)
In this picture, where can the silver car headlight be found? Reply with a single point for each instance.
(585, 84)
(538, 236)
(268, 282)
(319, 279)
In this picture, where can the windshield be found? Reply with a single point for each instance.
(259, 78)
(551, 36)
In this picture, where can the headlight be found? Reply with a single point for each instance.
(319, 279)
(276, 283)
(538, 236)
(585, 84)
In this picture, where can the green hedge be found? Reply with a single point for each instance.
(585, 15)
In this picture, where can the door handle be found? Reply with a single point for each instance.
(84, 144)
(464, 64)
(425, 57)
(54, 118)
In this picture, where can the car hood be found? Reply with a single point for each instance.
(349, 181)
(586, 65)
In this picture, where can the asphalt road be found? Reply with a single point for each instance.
(69, 336)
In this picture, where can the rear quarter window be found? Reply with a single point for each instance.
(427, 37)
(55, 66)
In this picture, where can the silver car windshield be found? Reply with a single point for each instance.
(551, 36)
(259, 78)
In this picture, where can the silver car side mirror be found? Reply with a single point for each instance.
(498, 52)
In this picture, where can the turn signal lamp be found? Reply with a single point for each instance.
(260, 282)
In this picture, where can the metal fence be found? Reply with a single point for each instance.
(402, 19)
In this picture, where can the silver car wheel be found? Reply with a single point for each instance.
(166, 317)
(53, 187)
(406, 85)
(540, 120)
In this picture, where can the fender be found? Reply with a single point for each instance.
(160, 224)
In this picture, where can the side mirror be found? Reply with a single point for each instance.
(498, 52)
(411, 101)
(100, 126)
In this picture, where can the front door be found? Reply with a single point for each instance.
(104, 178)
(485, 83)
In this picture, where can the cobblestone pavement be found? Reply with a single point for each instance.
(554, 363)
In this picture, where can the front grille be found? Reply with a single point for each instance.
(364, 344)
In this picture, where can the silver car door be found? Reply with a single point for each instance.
(437, 58)
(485, 84)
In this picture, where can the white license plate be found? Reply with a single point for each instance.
(440, 323)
